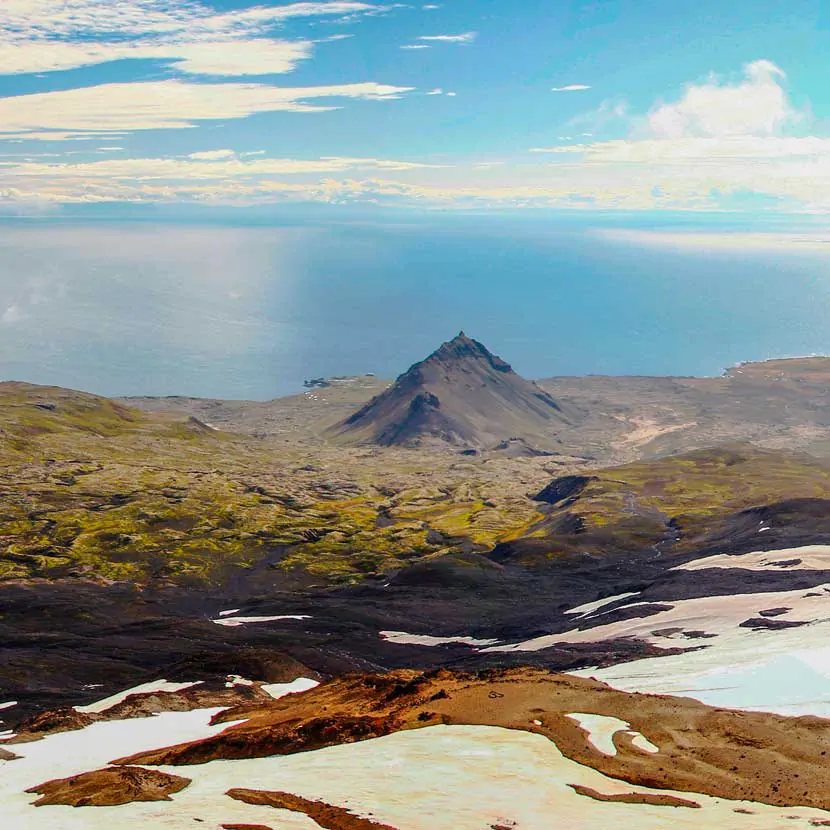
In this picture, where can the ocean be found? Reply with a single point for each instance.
(235, 311)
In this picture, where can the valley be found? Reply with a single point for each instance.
(660, 535)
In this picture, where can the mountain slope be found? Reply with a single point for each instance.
(461, 395)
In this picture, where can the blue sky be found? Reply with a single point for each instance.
(611, 105)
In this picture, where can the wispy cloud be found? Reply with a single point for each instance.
(48, 35)
(465, 38)
(160, 105)
(219, 178)
(716, 144)
(571, 88)
(415, 46)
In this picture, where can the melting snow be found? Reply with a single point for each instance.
(232, 622)
(719, 616)
(301, 684)
(602, 728)
(588, 607)
(402, 638)
(642, 742)
(236, 680)
(439, 778)
(813, 557)
(144, 688)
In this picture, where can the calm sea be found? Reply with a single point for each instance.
(249, 312)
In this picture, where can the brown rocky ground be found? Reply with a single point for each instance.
(723, 753)
(110, 788)
(325, 815)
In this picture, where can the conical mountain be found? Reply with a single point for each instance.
(462, 395)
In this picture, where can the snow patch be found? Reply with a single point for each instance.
(602, 728)
(232, 622)
(143, 689)
(498, 776)
(643, 743)
(717, 617)
(402, 638)
(301, 684)
(588, 607)
(812, 558)
(236, 680)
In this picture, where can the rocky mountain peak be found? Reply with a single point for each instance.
(462, 347)
(462, 395)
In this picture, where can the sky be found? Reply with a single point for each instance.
(710, 107)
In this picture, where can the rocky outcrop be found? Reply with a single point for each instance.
(634, 798)
(109, 787)
(325, 815)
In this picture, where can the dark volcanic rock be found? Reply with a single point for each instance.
(764, 624)
(560, 489)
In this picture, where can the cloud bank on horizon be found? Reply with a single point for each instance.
(230, 103)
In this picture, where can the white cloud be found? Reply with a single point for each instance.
(571, 88)
(720, 146)
(156, 105)
(219, 57)
(465, 38)
(611, 114)
(58, 135)
(756, 106)
(49, 35)
(212, 155)
(415, 46)
(709, 157)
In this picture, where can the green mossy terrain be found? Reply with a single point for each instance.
(681, 500)
(90, 488)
